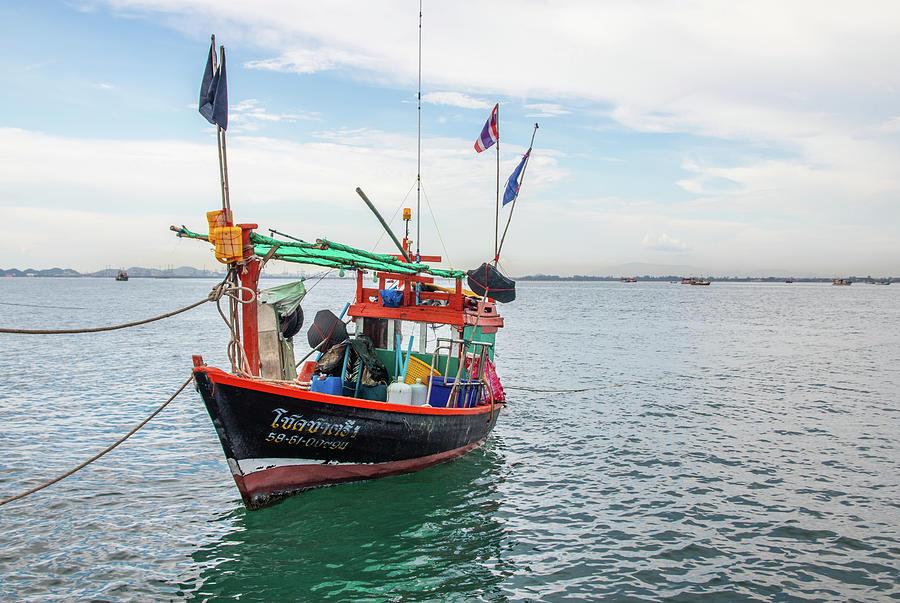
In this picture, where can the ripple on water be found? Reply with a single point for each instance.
(732, 449)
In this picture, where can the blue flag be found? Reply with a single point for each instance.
(214, 92)
(513, 184)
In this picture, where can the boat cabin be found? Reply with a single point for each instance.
(433, 344)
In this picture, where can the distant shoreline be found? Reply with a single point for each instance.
(189, 272)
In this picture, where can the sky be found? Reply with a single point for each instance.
(726, 138)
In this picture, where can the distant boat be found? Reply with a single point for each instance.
(789, 281)
(628, 280)
(121, 275)
(694, 281)
(842, 281)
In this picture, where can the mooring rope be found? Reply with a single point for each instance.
(561, 391)
(110, 328)
(217, 292)
(43, 306)
(97, 456)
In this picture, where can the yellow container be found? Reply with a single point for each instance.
(227, 239)
(228, 243)
(216, 219)
(418, 370)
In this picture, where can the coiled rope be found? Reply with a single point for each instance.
(97, 456)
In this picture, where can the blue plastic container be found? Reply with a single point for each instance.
(328, 385)
(376, 393)
(466, 396)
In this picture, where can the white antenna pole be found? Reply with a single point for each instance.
(419, 145)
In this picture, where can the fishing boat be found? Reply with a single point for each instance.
(842, 281)
(369, 405)
(283, 434)
(699, 281)
(121, 275)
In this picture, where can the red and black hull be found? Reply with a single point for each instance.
(280, 440)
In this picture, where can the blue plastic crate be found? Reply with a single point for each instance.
(466, 396)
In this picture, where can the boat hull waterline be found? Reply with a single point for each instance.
(281, 440)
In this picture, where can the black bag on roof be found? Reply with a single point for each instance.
(487, 280)
(326, 327)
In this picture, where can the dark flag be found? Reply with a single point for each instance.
(214, 92)
(513, 184)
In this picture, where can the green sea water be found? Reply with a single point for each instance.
(733, 442)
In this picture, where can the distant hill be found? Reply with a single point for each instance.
(133, 272)
(33, 272)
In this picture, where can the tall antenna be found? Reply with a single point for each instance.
(419, 145)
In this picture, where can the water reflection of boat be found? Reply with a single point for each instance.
(370, 539)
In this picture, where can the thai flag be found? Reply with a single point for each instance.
(491, 131)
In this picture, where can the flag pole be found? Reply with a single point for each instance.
(521, 180)
(223, 159)
(497, 196)
(219, 143)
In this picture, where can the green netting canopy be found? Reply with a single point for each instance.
(332, 255)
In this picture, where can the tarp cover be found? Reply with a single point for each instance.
(285, 299)
(487, 280)
(331, 254)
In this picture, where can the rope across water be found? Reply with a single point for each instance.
(97, 456)
(214, 295)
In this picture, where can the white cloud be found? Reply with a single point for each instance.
(546, 110)
(245, 115)
(891, 125)
(664, 242)
(455, 99)
(303, 60)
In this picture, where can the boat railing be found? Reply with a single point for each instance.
(480, 355)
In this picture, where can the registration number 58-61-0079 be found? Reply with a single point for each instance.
(298, 440)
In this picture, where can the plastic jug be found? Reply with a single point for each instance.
(419, 393)
(399, 392)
